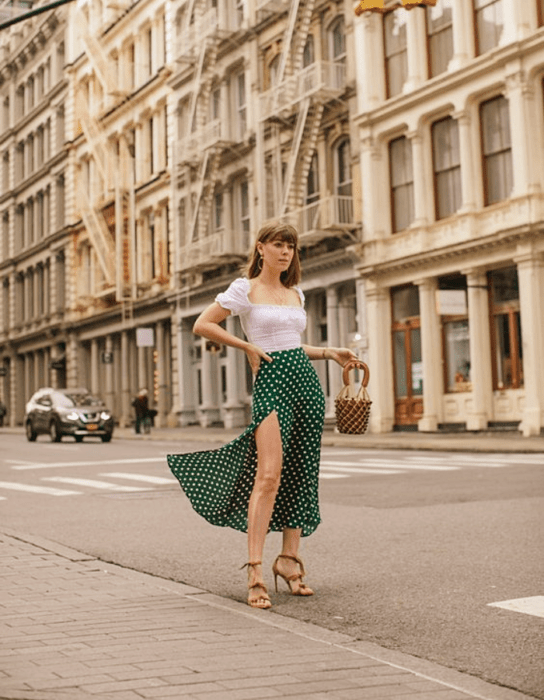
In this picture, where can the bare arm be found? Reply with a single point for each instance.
(340, 355)
(207, 325)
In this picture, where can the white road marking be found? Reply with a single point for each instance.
(92, 483)
(12, 486)
(357, 470)
(102, 462)
(378, 465)
(140, 477)
(529, 606)
(333, 476)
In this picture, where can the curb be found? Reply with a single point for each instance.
(424, 669)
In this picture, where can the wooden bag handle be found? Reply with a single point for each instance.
(352, 364)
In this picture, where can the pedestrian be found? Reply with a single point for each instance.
(267, 478)
(3, 411)
(141, 408)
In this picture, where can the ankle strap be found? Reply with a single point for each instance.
(251, 563)
(298, 560)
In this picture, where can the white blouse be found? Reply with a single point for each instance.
(270, 326)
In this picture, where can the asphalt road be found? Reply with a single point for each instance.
(414, 548)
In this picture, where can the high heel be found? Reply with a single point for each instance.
(261, 601)
(303, 589)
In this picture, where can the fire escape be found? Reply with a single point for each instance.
(296, 103)
(112, 248)
(208, 133)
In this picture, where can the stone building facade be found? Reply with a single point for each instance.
(451, 128)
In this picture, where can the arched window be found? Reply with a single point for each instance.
(308, 55)
(338, 41)
(343, 169)
(312, 183)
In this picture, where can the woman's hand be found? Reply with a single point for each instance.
(254, 355)
(340, 355)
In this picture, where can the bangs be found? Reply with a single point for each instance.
(285, 233)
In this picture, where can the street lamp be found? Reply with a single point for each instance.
(379, 5)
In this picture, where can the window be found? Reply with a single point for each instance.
(489, 24)
(5, 171)
(5, 236)
(5, 114)
(241, 105)
(60, 128)
(60, 265)
(311, 200)
(19, 227)
(440, 36)
(19, 162)
(447, 167)
(60, 201)
(20, 101)
(151, 151)
(218, 211)
(30, 154)
(131, 58)
(396, 51)
(455, 332)
(148, 38)
(540, 10)
(40, 150)
(496, 149)
(344, 212)
(60, 61)
(308, 55)
(30, 90)
(338, 41)
(241, 206)
(274, 70)
(5, 303)
(506, 329)
(402, 183)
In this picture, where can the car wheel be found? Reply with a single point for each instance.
(79, 438)
(31, 434)
(106, 438)
(54, 432)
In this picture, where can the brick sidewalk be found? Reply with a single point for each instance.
(74, 627)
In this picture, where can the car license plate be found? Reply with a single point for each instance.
(92, 426)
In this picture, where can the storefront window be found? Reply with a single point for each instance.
(506, 329)
(457, 356)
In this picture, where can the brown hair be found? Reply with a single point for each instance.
(277, 231)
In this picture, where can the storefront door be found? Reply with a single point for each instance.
(407, 358)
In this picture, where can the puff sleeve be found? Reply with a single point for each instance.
(235, 297)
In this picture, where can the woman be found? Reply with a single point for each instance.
(266, 479)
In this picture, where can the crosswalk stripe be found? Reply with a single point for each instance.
(354, 470)
(334, 476)
(12, 486)
(92, 483)
(389, 465)
(140, 477)
(102, 462)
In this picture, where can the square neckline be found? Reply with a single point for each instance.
(279, 306)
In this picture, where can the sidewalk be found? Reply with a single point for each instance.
(74, 627)
(500, 441)
(492, 441)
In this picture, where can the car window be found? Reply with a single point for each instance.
(45, 400)
(71, 400)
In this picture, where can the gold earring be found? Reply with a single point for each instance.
(260, 266)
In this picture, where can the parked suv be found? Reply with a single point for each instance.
(60, 412)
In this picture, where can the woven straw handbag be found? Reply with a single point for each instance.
(353, 410)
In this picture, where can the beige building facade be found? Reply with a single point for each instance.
(451, 127)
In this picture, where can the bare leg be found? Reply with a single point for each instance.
(263, 496)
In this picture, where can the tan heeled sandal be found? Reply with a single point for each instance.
(261, 601)
(303, 589)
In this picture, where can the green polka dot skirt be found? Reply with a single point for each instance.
(219, 482)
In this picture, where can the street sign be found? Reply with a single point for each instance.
(145, 337)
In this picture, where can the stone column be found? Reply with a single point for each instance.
(523, 126)
(210, 401)
(126, 412)
(463, 36)
(417, 57)
(531, 295)
(480, 350)
(421, 181)
(380, 359)
(186, 374)
(466, 152)
(234, 409)
(333, 341)
(161, 375)
(519, 20)
(362, 343)
(95, 380)
(376, 213)
(368, 39)
(108, 371)
(433, 385)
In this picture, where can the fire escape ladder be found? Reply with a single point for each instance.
(94, 136)
(293, 157)
(205, 180)
(123, 247)
(301, 35)
(99, 234)
(197, 82)
(97, 56)
(287, 41)
(307, 151)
